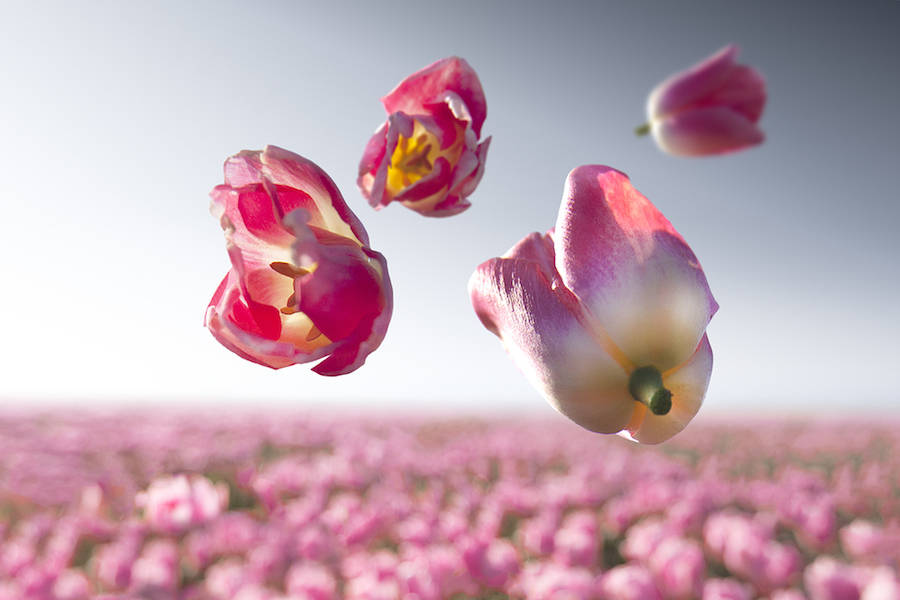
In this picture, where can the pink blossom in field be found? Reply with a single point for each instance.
(864, 541)
(606, 313)
(311, 581)
(536, 535)
(427, 155)
(304, 284)
(712, 108)
(491, 563)
(679, 567)
(790, 594)
(72, 584)
(726, 589)
(829, 579)
(176, 503)
(642, 538)
(577, 543)
(550, 581)
(225, 579)
(629, 582)
(882, 585)
(157, 570)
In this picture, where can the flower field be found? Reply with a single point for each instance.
(292, 507)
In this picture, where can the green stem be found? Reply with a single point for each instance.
(646, 386)
(642, 130)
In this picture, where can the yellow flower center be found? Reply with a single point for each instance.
(414, 156)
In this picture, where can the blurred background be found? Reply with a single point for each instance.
(115, 119)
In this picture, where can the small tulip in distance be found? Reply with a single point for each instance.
(303, 283)
(605, 314)
(712, 108)
(427, 156)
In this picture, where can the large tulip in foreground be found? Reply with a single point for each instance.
(712, 108)
(605, 314)
(427, 156)
(303, 283)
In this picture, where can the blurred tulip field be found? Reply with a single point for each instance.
(291, 507)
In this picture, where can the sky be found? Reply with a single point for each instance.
(115, 119)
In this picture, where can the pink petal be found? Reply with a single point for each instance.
(685, 88)
(704, 131)
(369, 332)
(538, 321)
(467, 186)
(637, 278)
(283, 167)
(688, 385)
(430, 85)
(744, 91)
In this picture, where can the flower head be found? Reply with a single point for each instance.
(606, 313)
(303, 283)
(711, 108)
(427, 156)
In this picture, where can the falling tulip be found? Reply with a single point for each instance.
(712, 108)
(605, 314)
(427, 155)
(304, 284)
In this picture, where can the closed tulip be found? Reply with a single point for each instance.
(712, 108)
(606, 314)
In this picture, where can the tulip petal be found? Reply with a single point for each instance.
(369, 332)
(685, 88)
(638, 280)
(431, 84)
(744, 91)
(537, 319)
(688, 384)
(703, 131)
(284, 168)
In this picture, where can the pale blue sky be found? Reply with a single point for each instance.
(115, 119)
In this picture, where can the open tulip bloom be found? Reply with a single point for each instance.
(303, 283)
(712, 108)
(427, 156)
(606, 313)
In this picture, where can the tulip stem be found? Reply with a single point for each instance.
(646, 386)
(642, 130)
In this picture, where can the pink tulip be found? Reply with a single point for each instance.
(311, 580)
(303, 283)
(884, 584)
(606, 314)
(491, 563)
(711, 108)
(427, 156)
(726, 589)
(549, 581)
(828, 579)
(629, 582)
(864, 541)
(173, 504)
(679, 567)
(72, 584)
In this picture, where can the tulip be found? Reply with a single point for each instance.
(303, 283)
(712, 108)
(629, 582)
(606, 314)
(172, 504)
(725, 589)
(427, 156)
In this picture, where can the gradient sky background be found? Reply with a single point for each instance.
(115, 119)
